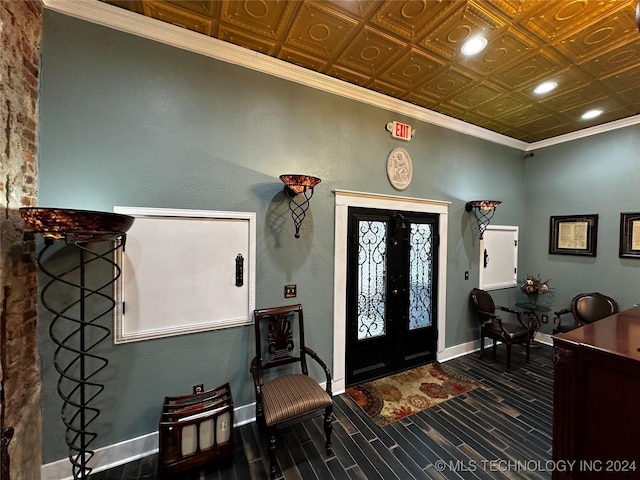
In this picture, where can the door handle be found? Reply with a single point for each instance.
(394, 292)
(486, 258)
(239, 270)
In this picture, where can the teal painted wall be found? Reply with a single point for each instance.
(126, 121)
(595, 175)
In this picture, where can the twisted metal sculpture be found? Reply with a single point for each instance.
(294, 186)
(77, 334)
(78, 299)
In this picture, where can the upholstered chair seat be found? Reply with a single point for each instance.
(291, 396)
(514, 331)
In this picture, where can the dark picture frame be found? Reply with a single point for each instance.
(630, 235)
(573, 235)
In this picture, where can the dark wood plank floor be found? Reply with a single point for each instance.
(499, 431)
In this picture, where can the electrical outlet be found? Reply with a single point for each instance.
(545, 319)
(290, 291)
(198, 388)
(466, 275)
(225, 425)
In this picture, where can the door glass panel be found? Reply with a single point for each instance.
(372, 254)
(420, 281)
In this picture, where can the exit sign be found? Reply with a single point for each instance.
(400, 130)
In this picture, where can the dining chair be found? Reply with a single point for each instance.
(285, 392)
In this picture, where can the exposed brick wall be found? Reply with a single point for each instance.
(20, 36)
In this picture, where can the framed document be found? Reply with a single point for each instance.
(573, 235)
(630, 235)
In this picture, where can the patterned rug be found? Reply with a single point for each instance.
(391, 398)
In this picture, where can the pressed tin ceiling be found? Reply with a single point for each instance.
(410, 50)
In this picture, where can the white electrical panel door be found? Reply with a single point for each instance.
(184, 271)
(499, 257)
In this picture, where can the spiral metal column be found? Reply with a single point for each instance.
(78, 300)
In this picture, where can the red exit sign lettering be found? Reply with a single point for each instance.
(400, 130)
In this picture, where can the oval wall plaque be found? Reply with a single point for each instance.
(399, 168)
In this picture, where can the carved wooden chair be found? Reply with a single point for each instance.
(492, 326)
(585, 308)
(285, 393)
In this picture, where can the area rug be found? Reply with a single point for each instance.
(391, 398)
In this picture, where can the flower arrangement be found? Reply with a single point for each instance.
(534, 286)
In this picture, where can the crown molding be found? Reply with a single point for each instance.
(123, 20)
(586, 132)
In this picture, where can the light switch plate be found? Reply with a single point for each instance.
(290, 291)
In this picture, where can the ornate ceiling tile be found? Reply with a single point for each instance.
(553, 20)
(586, 42)
(524, 116)
(615, 60)
(574, 99)
(612, 110)
(410, 49)
(500, 107)
(370, 51)
(359, 9)
(476, 95)
(544, 128)
(269, 19)
(389, 89)
(412, 68)
(348, 75)
(178, 16)
(446, 84)
(505, 49)
(412, 19)
(568, 79)
(451, 110)
(512, 11)
(319, 31)
(531, 69)
(445, 38)
(246, 39)
(624, 80)
(302, 59)
(425, 101)
(200, 7)
(631, 97)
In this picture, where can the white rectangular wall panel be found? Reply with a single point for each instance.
(179, 272)
(499, 257)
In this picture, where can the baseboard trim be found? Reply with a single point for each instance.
(459, 350)
(129, 450)
(144, 445)
(470, 347)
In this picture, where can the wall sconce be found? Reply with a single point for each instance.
(484, 210)
(294, 185)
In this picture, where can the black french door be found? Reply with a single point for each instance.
(391, 292)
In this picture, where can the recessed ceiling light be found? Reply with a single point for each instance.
(591, 114)
(545, 87)
(473, 45)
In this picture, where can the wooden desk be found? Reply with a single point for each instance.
(596, 402)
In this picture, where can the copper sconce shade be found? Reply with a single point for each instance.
(295, 185)
(484, 210)
(75, 225)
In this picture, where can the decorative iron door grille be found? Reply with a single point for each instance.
(392, 266)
